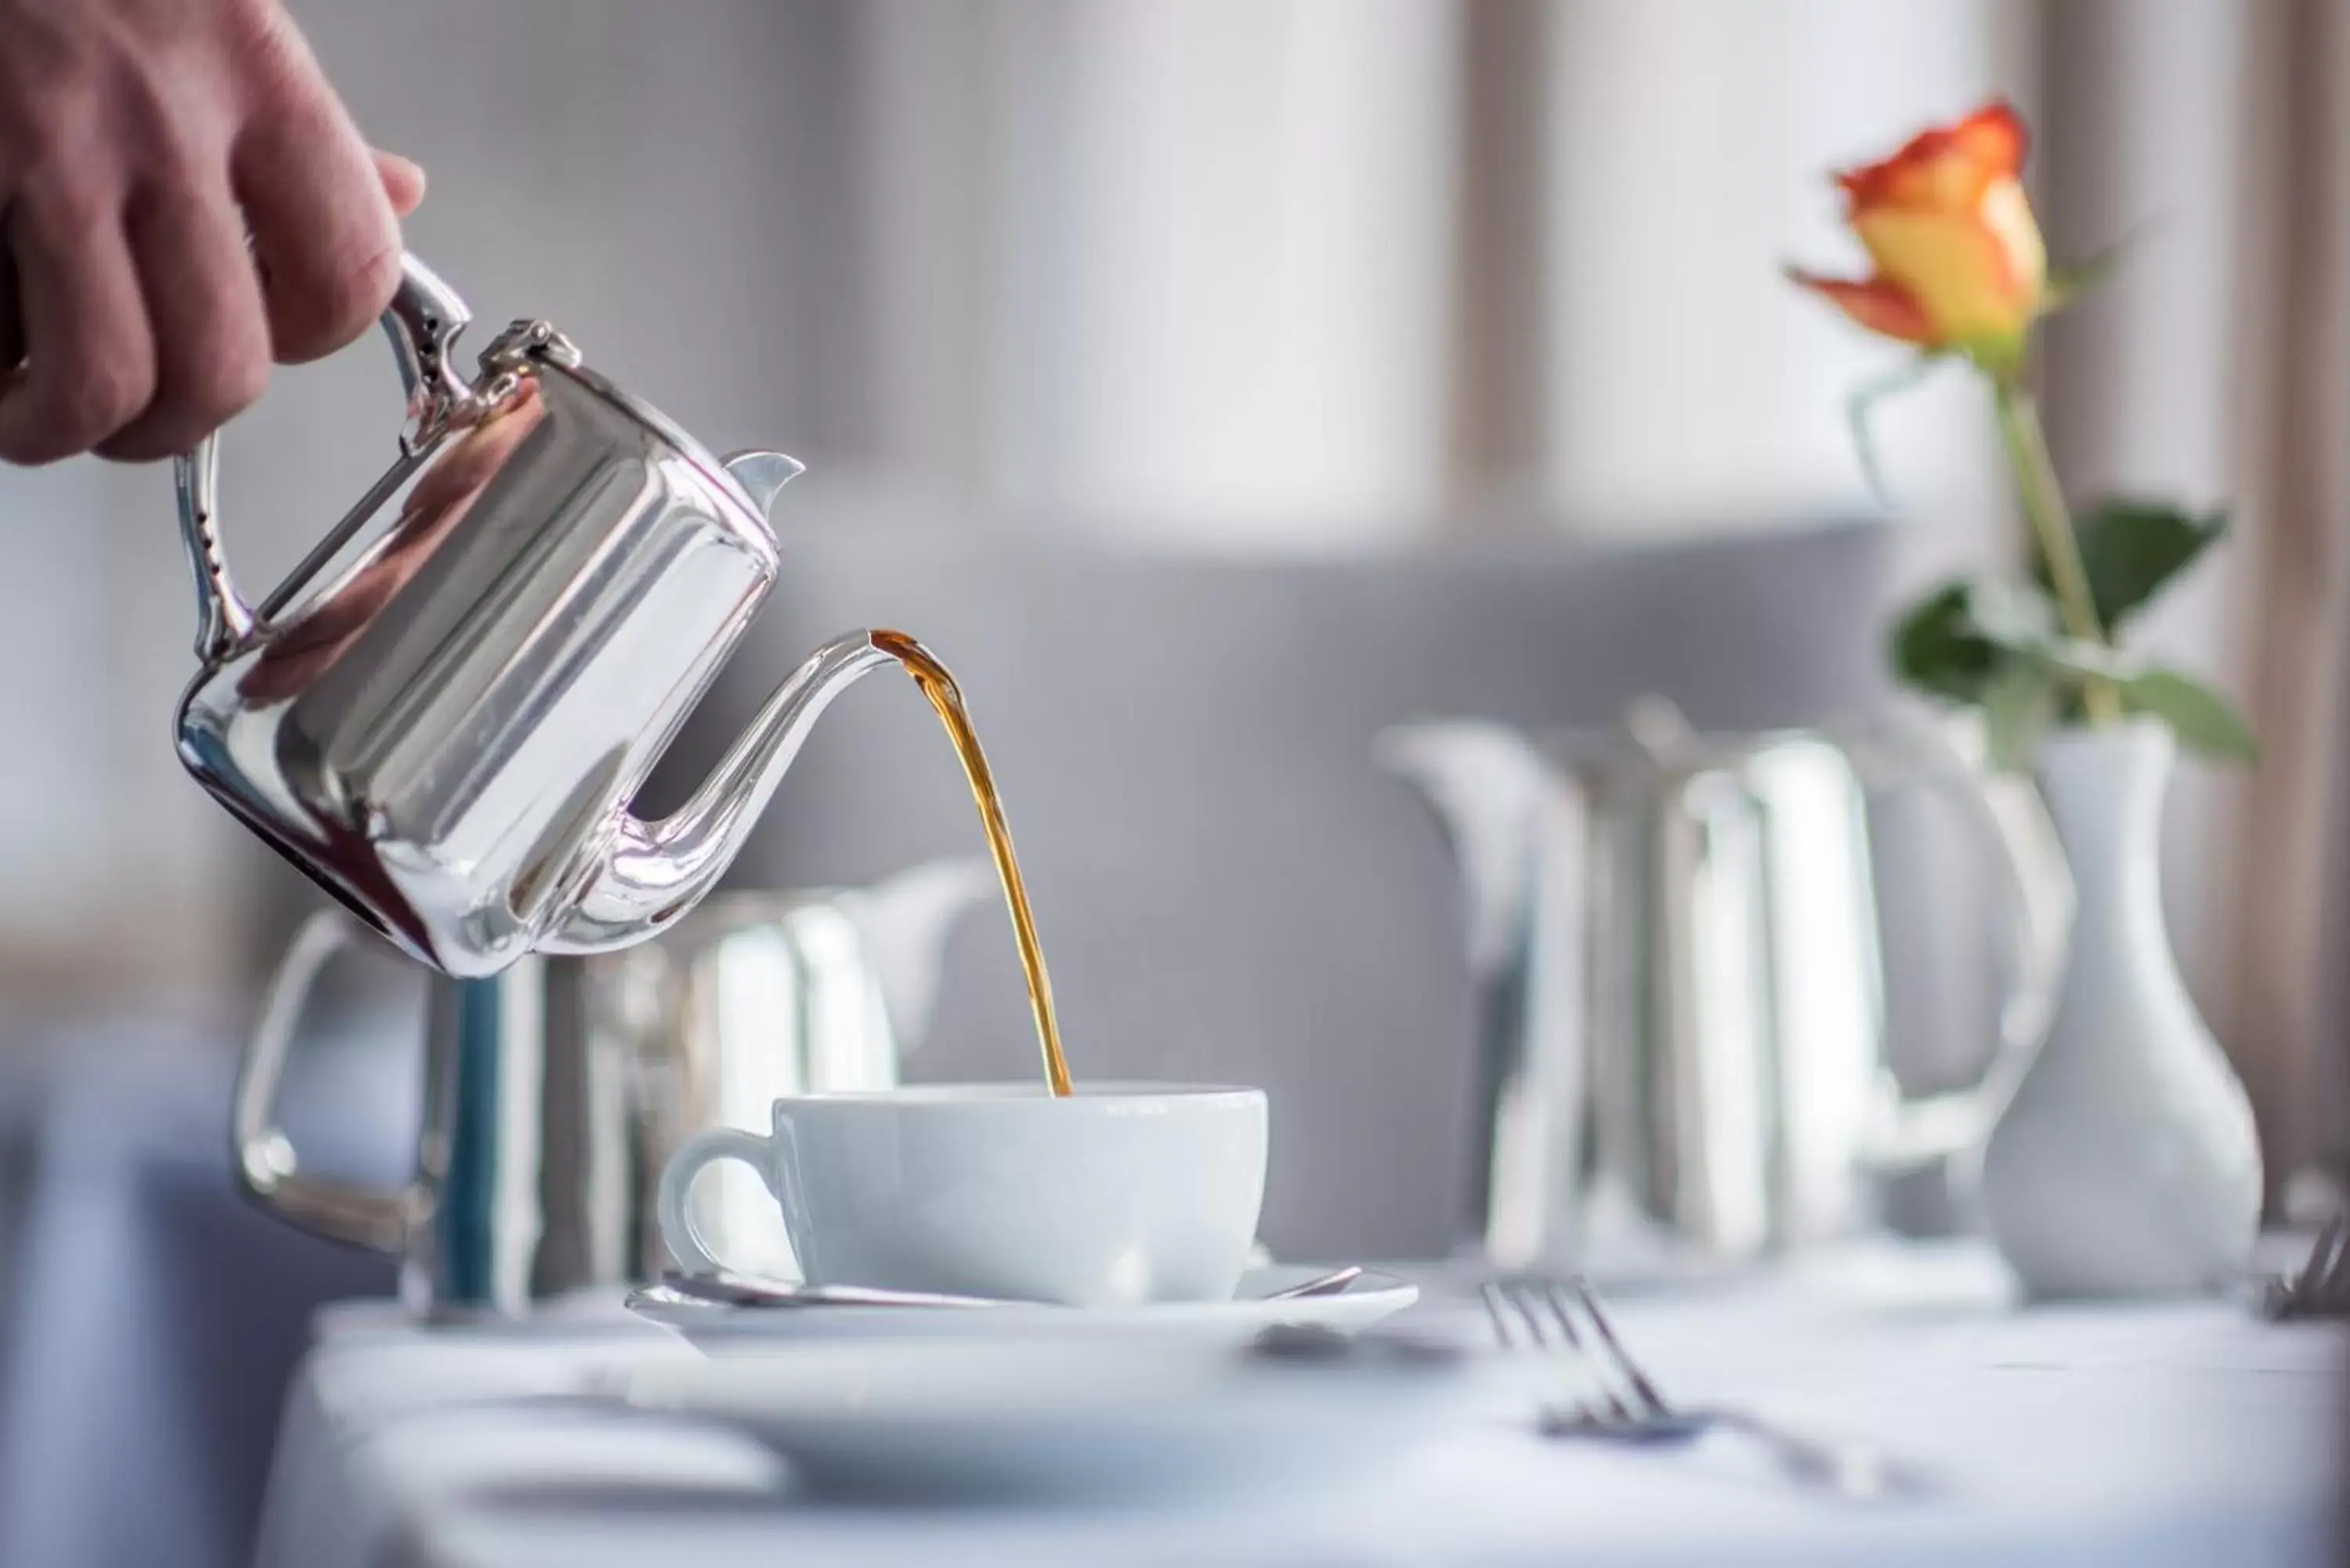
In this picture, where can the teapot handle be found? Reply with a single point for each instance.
(2016, 840)
(264, 1156)
(423, 319)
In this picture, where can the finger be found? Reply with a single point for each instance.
(89, 362)
(322, 226)
(205, 308)
(404, 182)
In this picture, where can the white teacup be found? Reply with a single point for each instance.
(1117, 1194)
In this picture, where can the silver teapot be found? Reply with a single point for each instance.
(1681, 1017)
(556, 1090)
(446, 733)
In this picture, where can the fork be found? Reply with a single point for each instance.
(2322, 1288)
(1616, 1401)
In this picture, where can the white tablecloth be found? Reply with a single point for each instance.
(2187, 1435)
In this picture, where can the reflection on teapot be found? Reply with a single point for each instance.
(307, 648)
(446, 735)
(556, 1090)
(1681, 1013)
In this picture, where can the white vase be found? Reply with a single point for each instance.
(2126, 1164)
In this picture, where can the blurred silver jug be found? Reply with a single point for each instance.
(556, 1090)
(446, 734)
(1680, 997)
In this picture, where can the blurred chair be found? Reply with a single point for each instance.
(1226, 889)
(152, 1317)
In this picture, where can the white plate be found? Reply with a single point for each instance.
(1089, 1419)
(710, 1325)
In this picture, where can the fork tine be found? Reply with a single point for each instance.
(1617, 1352)
(1517, 1328)
(2306, 1289)
(1522, 1295)
(1592, 1367)
(2329, 1285)
(1490, 1293)
(2322, 1251)
(1554, 1301)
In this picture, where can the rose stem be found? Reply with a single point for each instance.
(2043, 504)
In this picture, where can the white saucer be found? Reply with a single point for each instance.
(1090, 1417)
(709, 1326)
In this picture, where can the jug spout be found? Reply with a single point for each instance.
(654, 872)
(1491, 788)
(903, 922)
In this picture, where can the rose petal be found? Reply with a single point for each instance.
(1943, 168)
(1879, 305)
(1956, 269)
(1994, 137)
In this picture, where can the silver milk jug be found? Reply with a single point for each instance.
(1681, 995)
(445, 734)
(556, 1090)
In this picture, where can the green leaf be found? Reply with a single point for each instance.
(2019, 708)
(2205, 721)
(1938, 649)
(2071, 282)
(2018, 618)
(2130, 549)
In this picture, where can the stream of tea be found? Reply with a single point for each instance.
(945, 697)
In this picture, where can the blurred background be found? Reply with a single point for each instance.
(1214, 383)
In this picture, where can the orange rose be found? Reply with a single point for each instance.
(1960, 263)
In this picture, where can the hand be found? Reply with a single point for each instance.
(141, 142)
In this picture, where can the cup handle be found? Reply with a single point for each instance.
(2034, 895)
(672, 1207)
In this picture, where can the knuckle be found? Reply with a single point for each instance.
(34, 118)
(106, 393)
(224, 385)
(69, 211)
(336, 303)
(264, 41)
(263, 17)
(208, 378)
(45, 97)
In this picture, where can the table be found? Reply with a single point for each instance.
(2185, 1434)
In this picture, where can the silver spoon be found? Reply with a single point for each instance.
(1329, 1284)
(726, 1289)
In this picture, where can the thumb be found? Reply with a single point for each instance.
(404, 182)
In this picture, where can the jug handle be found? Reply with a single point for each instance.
(264, 1156)
(423, 321)
(2034, 892)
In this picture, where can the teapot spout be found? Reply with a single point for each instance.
(654, 872)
